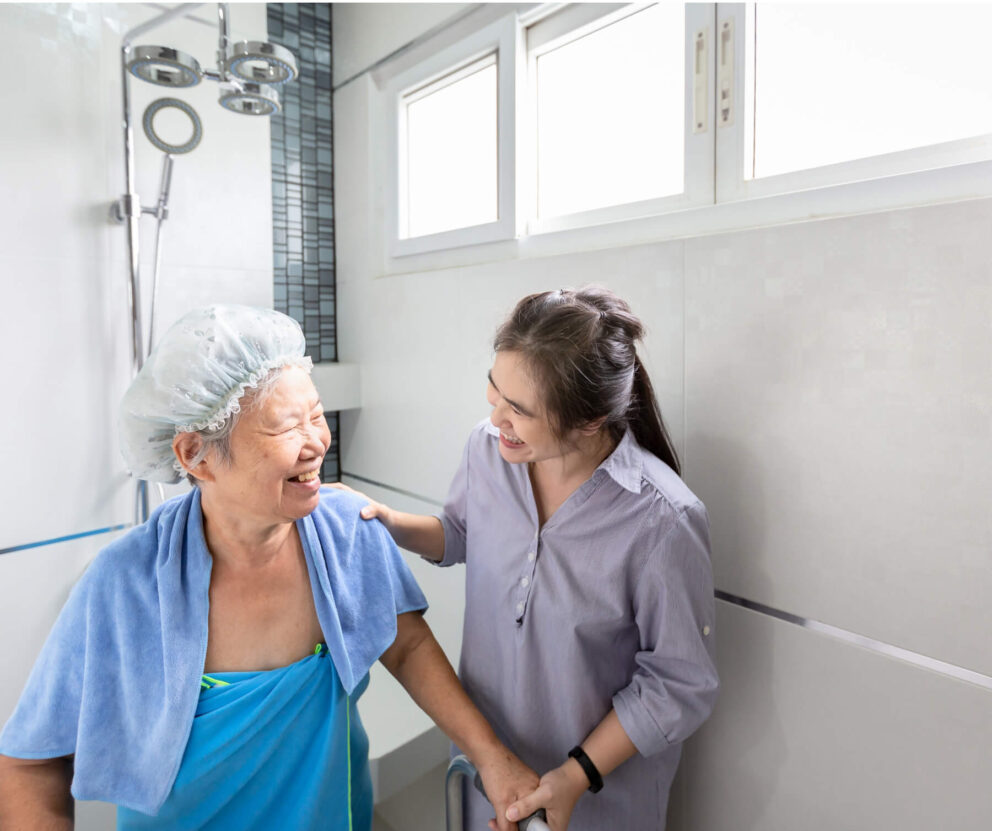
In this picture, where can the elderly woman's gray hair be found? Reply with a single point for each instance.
(195, 380)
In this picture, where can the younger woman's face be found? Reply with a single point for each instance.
(525, 434)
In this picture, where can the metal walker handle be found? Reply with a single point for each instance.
(461, 768)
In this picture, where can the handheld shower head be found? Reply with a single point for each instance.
(164, 66)
(148, 122)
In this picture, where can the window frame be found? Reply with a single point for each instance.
(575, 21)
(723, 200)
(732, 184)
(499, 37)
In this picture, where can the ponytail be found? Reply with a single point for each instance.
(644, 419)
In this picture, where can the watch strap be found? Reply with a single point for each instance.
(595, 780)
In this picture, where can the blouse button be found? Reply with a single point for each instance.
(520, 608)
(530, 556)
(706, 631)
(525, 582)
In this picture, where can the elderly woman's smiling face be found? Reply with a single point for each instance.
(277, 448)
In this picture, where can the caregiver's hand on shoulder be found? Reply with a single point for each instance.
(374, 510)
(506, 779)
(422, 535)
(557, 792)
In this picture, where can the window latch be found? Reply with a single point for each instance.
(700, 86)
(725, 75)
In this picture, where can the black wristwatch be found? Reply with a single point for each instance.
(595, 780)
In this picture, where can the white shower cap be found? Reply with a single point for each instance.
(195, 378)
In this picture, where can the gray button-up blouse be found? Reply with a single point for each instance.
(610, 604)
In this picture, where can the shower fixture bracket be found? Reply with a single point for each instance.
(125, 207)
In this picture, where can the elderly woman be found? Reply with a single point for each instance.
(205, 669)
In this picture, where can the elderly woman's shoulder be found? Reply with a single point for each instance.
(338, 516)
(342, 507)
(335, 499)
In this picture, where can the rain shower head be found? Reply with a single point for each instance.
(164, 66)
(261, 63)
(249, 98)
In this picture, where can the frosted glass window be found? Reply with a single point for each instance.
(611, 113)
(451, 162)
(829, 83)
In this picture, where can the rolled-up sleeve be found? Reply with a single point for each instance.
(674, 685)
(454, 515)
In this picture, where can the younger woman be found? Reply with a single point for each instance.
(588, 640)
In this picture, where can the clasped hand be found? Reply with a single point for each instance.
(556, 792)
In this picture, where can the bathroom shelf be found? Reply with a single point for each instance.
(339, 385)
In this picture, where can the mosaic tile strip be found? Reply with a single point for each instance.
(303, 187)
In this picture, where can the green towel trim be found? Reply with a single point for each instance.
(347, 711)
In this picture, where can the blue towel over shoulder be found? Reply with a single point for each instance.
(117, 682)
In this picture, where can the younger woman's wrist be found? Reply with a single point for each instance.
(575, 776)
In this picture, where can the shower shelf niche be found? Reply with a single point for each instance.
(339, 385)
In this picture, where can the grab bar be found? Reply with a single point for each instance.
(461, 768)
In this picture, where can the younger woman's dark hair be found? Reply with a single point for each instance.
(580, 348)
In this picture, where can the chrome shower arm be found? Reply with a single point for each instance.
(223, 38)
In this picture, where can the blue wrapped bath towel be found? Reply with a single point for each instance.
(117, 682)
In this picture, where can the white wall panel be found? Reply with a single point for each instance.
(354, 222)
(53, 159)
(811, 733)
(65, 334)
(424, 341)
(840, 421)
(63, 302)
(371, 31)
(65, 312)
(184, 288)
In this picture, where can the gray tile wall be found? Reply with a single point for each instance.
(303, 187)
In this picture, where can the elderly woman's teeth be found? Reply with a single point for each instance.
(306, 477)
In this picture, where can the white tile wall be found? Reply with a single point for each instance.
(837, 421)
(63, 305)
(64, 287)
(813, 734)
(841, 421)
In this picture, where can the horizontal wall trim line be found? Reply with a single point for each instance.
(109, 529)
(392, 488)
(880, 647)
